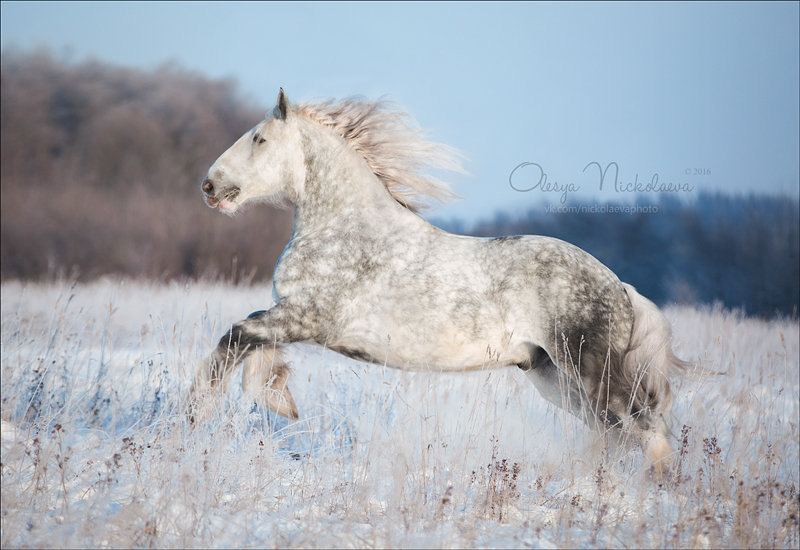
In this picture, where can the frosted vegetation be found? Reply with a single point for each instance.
(96, 451)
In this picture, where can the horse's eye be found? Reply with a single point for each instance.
(258, 139)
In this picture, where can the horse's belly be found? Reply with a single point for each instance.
(416, 347)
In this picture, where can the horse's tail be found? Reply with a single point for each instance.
(647, 364)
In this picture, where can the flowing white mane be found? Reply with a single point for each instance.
(396, 152)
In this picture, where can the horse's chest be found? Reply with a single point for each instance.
(302, 269)
(335, 265)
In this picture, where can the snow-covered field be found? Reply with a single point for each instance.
(96, 451)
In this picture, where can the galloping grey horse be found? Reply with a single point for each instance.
(367, 277)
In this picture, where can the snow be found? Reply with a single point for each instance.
(96, 451)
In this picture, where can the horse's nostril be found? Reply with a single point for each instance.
(208, 187)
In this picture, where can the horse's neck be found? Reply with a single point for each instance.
(340, 190)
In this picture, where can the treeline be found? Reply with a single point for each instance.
(101, 169)
(742, 252)
(101, 166)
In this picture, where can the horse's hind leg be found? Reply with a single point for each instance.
(623, 397)
(554, 384)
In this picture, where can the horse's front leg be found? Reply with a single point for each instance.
(265, 379)
(256, 341)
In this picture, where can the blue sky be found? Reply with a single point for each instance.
(700, 95)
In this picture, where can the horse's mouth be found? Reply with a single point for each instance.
(223, 200)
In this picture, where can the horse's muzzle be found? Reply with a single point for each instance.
(217, 197)
(208, 193)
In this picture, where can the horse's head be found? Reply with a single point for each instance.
(265, 163)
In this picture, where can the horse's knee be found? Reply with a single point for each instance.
(265, 379)
(228, 353)
(237, 341)
(258, 368)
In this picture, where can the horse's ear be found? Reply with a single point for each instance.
(282, 108)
